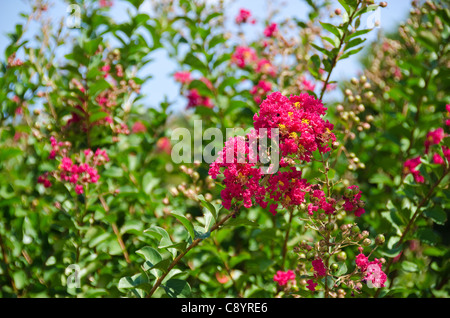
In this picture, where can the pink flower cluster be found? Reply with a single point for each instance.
(299, 119)
(270, 30)
(244, 57)
(244, 16)
(241, 179)
(306, 85)
(410, 167)
(353, 201)
(79, 175)
(372, 271)
(319, 268)
(282, 278)
(447, 120)
(302, 130)
(106, 3)
(433, 137)
(183, 77)
(260, 90)
(195, 99)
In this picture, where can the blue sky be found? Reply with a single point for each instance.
(162, 84)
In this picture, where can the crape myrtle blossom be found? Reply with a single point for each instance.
(270, 30)
(282, 278)
(244, 56)
(410, 167)
(302, 131)
(244, 16)
(434, 137)
(372, 271)
(447, 121)
(183, 77)
(353, 201)
(79, 173)
(260, 90)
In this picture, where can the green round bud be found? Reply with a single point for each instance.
(334, 267)
(379, 240)
(341, 256)
(311, 255)
(356, 229)
(330, 226)
(366, 242)
(302, 256)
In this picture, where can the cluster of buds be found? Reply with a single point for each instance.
(196, 186)
(327, 257)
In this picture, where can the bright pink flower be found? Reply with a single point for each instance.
(79, 189)
(311, 285)
(243, 56)
(353, 202)
(434, 137)
(260, 90)
(437, 159)
(241, 178)
(138, 127)
(446, 152)
(265, 67)
(163, 144)
(410, 167)
(106, 3)
(43, 180)
(270, 30)
(282, 278)
(306, 85)
(244, 16)
(105, 69)
(195, 99)
(183, 77)
(362, 261)
(374, 276)
(319, 268)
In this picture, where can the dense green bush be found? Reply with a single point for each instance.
(96, 201)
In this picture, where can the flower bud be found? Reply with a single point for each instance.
(334, 267)
(356, 229)
(367, 242)
(311, 255)
(341, 256)
(379, 240)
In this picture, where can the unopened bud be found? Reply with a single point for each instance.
(379, 240)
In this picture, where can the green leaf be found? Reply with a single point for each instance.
(213, 209)
(97, 116)
(409, 266)
(342, 269)
(437, 214)
(150, 254)
(345, 6)
(186, 223)
(331, 28)
(427, 235)
(350, 53)
(177, 288)
(137, 281)
(162, 235)
(8, 153)
(196, 63)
